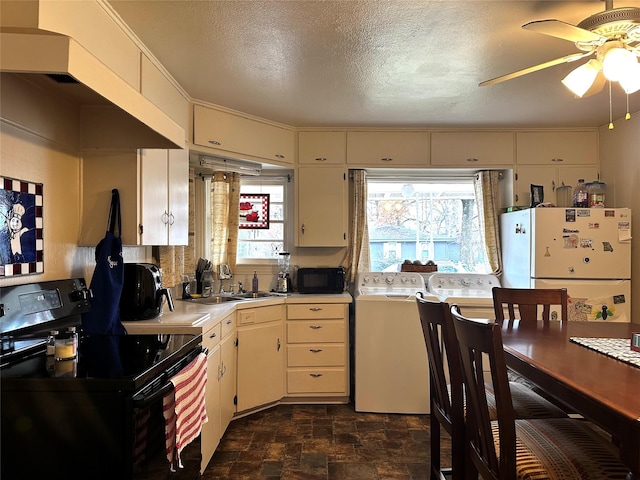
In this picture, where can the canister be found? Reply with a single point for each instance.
(596, 191)
(564, 195)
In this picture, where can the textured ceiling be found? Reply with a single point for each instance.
(409, 63)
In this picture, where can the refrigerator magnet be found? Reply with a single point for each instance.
(570, 215)
(607, 246)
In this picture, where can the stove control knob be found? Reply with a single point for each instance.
(389, 280)
(404, 279)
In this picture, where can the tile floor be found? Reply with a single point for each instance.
(313, 442)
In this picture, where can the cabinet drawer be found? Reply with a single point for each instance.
(228, 325)
(316, 310)
(318, 355)
(320, 380)
(310, 331)
(261, 315)
(211, 337)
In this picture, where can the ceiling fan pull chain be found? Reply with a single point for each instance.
(610, 109)
(628, 115)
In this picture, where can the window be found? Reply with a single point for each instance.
(422, 218)
(264, 244)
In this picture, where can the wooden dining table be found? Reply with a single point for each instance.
(602, 389)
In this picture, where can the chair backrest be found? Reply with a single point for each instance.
(444, 362)
(529, 302)
(478, 338)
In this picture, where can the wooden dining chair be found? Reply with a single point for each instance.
(446, 391)
(509, 448)
(529, 302)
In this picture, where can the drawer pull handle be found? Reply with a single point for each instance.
(315, 375)
(315, 350)
(315, 309)
(229, 322)
(213, 335)
(315, 327)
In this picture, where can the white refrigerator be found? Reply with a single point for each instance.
(585, 250)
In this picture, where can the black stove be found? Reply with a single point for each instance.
(88, 407)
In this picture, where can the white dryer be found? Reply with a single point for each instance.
(391, 365)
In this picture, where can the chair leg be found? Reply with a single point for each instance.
(434, 429)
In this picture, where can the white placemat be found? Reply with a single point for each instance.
(618, 348)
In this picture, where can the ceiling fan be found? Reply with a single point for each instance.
(611, 36)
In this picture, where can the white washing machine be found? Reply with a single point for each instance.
(470, 291)
(391, 366)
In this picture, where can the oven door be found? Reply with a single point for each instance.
(88, 428)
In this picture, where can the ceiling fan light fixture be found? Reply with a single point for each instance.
(630, 82)
(617, 62)
(585, 78)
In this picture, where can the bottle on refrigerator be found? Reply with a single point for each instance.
(581, 195)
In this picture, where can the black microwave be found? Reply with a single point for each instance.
(321, 280)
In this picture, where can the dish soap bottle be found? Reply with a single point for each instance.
(254, 283)
(580, 195)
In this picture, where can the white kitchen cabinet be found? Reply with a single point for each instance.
(242, 137)
(154, 196)
(389, 149)
(228, 371)
(211, 430)
(322, 148)
(550, 178)
(472, 149)
(317, 350)
(321, 215)
(557, 148)
(165, 197)
(260, 379)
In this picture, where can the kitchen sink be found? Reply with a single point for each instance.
(233, 297)
(251, 295)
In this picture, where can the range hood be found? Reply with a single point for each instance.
(33, 41)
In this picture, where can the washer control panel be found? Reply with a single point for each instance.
(395, 283)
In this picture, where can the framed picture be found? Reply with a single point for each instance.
(537, 195)
(21, 228)
(254, 210)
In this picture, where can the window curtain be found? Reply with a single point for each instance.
(487, 192)
(357, 258)
(225, 198)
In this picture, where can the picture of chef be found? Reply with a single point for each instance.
(17, 227)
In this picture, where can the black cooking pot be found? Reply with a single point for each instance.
(142, 292)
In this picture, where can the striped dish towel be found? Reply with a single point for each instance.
(184, 409)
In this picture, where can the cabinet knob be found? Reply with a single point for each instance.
(302, 228)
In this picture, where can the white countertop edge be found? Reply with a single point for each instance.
(192, 317)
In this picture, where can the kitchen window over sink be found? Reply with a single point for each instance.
(424, 218)
(264, 244)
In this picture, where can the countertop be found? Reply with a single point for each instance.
(192, 317)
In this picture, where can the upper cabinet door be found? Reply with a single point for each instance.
(471, 149)
(388, 149)
(322, 148)
(242, 136)
(557, 148)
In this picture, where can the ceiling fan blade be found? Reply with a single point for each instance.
(566, 59)
(565, 31)
(598, 85)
